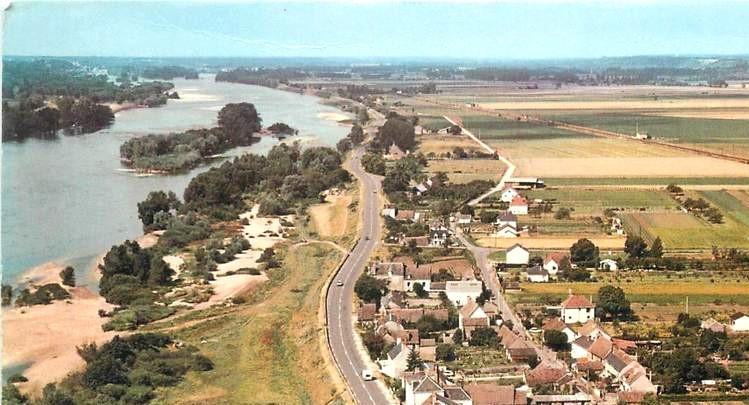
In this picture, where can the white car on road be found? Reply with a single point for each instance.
(367, 375)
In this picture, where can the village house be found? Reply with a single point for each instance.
(739, 322)
(439, 237)
(463, 219)
(506, 231)
(577, 309)
(395, 361)
(470, 317)
(578, 398)
(552, 261)
(422, 388)
(460, 292)
(517, 349)
(421, 275)
(391, 271)
(537, 274)
(517, 255)
(713, 325)
(519, 205)
(507, 218)
(557, 325)
(493, 394)
(548, 373)
(508, 193)
(367, 314)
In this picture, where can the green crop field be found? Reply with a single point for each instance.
(729, 205)
(433, 123)
(594, 201)
(488, 127)
(673, 129)
(679, 230)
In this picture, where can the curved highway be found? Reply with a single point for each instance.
(339, 298)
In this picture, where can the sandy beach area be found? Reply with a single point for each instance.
(46, 336)
(333, 116)
(117, 107)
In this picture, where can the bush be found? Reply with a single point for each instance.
(68, 276)
(17, 378)
(43, 295)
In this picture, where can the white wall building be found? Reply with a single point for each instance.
(459, 292)
(577, 309)
(517, 255)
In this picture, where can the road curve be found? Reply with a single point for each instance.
(341, 333)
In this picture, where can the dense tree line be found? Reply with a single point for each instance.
(169, 72)
(185, 150)
(398, 131)
(125, 370)
(261, 77)
(279, 180)
(44, 96)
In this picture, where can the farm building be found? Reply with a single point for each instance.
(463, 219)
(506, 231)
(537, 274)
(526, 182)
(608, 264)
(558, 325)
(577, 309)
(508, 193)
(740, 322)
(517, 255)
(507, 218)
(519, 205)
(459, 292)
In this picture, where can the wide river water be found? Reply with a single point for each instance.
(68, 200)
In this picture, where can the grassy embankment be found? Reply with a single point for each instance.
(267, 350)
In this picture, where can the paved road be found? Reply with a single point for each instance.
(339, 300)
(481, 254)
(505, 177)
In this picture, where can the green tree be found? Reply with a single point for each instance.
(420, 291)
(370, 289)
(657, 249)
(157, 201)
(373, 163)
(454, 130)
(556, 340)
(562, 213)
(613, 303)
(487, 217)
(239, 120)
(414, 362)
(51, 395)
(7, 294)
(635, 246)
(584, 253)
(445, 352)
(398, 131)
(68, 276)
(485, 337)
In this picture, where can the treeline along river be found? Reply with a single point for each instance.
(69, 199)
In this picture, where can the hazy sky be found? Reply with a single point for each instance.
(546, 29)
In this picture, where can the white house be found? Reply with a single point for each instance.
(740, 323)
(507, 218)
(471, 316)
(577, 309)
(558, 325)
(517, 255)
(419, 388)
(439, 237)
(463, 219)
(459, 292)
(506, 231)
(519, 205)
(508, 193)
(395, 361)
(552, 261)
(537, 274)
(608, 264)
(389, 212)
(419, 275)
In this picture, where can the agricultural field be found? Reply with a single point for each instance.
(441, 144)
(593, 202)
(433, 123)
(680, 230)
(544, 242)
(466, 170)
(655, 296)
(686, 182)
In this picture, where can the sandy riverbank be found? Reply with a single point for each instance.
(333, 116)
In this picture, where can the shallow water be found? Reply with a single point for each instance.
(69, 200)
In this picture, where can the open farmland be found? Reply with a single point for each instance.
(466, 170)
(433, 123)
(595, 201)
(680, 230)
(551, 242)
(655, 295)
(687, 182)
(440, 144)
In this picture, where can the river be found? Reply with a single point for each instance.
(68, 200)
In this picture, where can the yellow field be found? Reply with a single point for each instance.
(580, 147)
(543, 243)
(715, 114)
(642, 104)
(439, 144)
(697, 166)
(463, 171)
(330, 219)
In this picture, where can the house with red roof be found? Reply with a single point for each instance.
(519, 205)
(577, 309)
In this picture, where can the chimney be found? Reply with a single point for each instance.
(569, 291)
